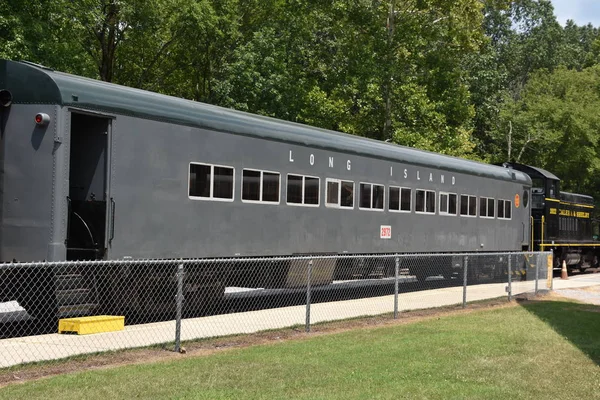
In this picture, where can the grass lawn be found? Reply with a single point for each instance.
(538, 350)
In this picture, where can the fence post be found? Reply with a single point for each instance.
(310, 264)
(550, 270)
(537, 274)
(465, 265)
(396, 288)
(509, 278)
(179, 301)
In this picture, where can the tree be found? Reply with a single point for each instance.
(582, 46)
(42, 32)
(555, 125)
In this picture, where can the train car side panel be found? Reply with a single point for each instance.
(155, 216)
(27, 183)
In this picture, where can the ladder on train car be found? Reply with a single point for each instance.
(76, 292)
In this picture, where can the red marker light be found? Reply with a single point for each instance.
(42, 119)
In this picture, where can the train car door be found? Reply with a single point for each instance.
(89, 228)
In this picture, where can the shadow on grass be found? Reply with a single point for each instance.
(577, 323)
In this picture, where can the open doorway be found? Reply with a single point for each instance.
(88, 187)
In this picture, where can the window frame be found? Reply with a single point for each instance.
(468, 215)
(212, 182)
(487, 207)
(339, 193)
(400, 188)
(260, 187)
(504, 209)
(371, 208)
(303, 204)
(425, 202)
(447, 213)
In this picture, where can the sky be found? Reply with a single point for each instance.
(580, 11)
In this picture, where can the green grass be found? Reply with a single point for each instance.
(542, 350)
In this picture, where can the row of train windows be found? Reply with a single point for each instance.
(216, 182)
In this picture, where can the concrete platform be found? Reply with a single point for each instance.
(16, 351)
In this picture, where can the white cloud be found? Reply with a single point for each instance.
(580, 11)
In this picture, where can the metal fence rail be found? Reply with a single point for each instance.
(166, 301)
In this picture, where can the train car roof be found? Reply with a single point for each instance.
(533, 171)
(31, 83)
(576, 198)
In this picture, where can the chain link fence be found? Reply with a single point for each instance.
(171, 301)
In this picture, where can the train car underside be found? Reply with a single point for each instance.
(576, 258)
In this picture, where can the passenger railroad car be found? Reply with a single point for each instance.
(93, 170)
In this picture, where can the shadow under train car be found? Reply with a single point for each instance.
(29, 305)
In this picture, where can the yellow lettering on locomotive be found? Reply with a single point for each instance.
(553, 211)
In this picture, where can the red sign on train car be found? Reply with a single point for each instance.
(385, 232)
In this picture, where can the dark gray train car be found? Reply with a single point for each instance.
(92, 170)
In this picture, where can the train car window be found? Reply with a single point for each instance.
(372, 196)
(525, 198)
(394, 198)
(486, 207)
(200, 177)
(430, 202)
(538, 183)
(504, 209)
(452, 203)
(464, 204)
(311, 191)
(260, 186)
(339, 193)
(420, 201)
(208, 182)
(447, 203)
(490, 207)
(223, 182)
(294, 189)
(250, 185)
(405, 199)
(302, 190)
(443, 203)
(472, 206)
(365, 196)
(468, 205)
(332, 193)
(270, 186)
(425, 201)
(399, 199)
(347, 194)
(378, 196)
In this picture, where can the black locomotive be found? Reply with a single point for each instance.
(562, 222)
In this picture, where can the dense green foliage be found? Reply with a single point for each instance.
(494, 80)
(508, 353)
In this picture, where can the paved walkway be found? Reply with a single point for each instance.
(16, 351)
